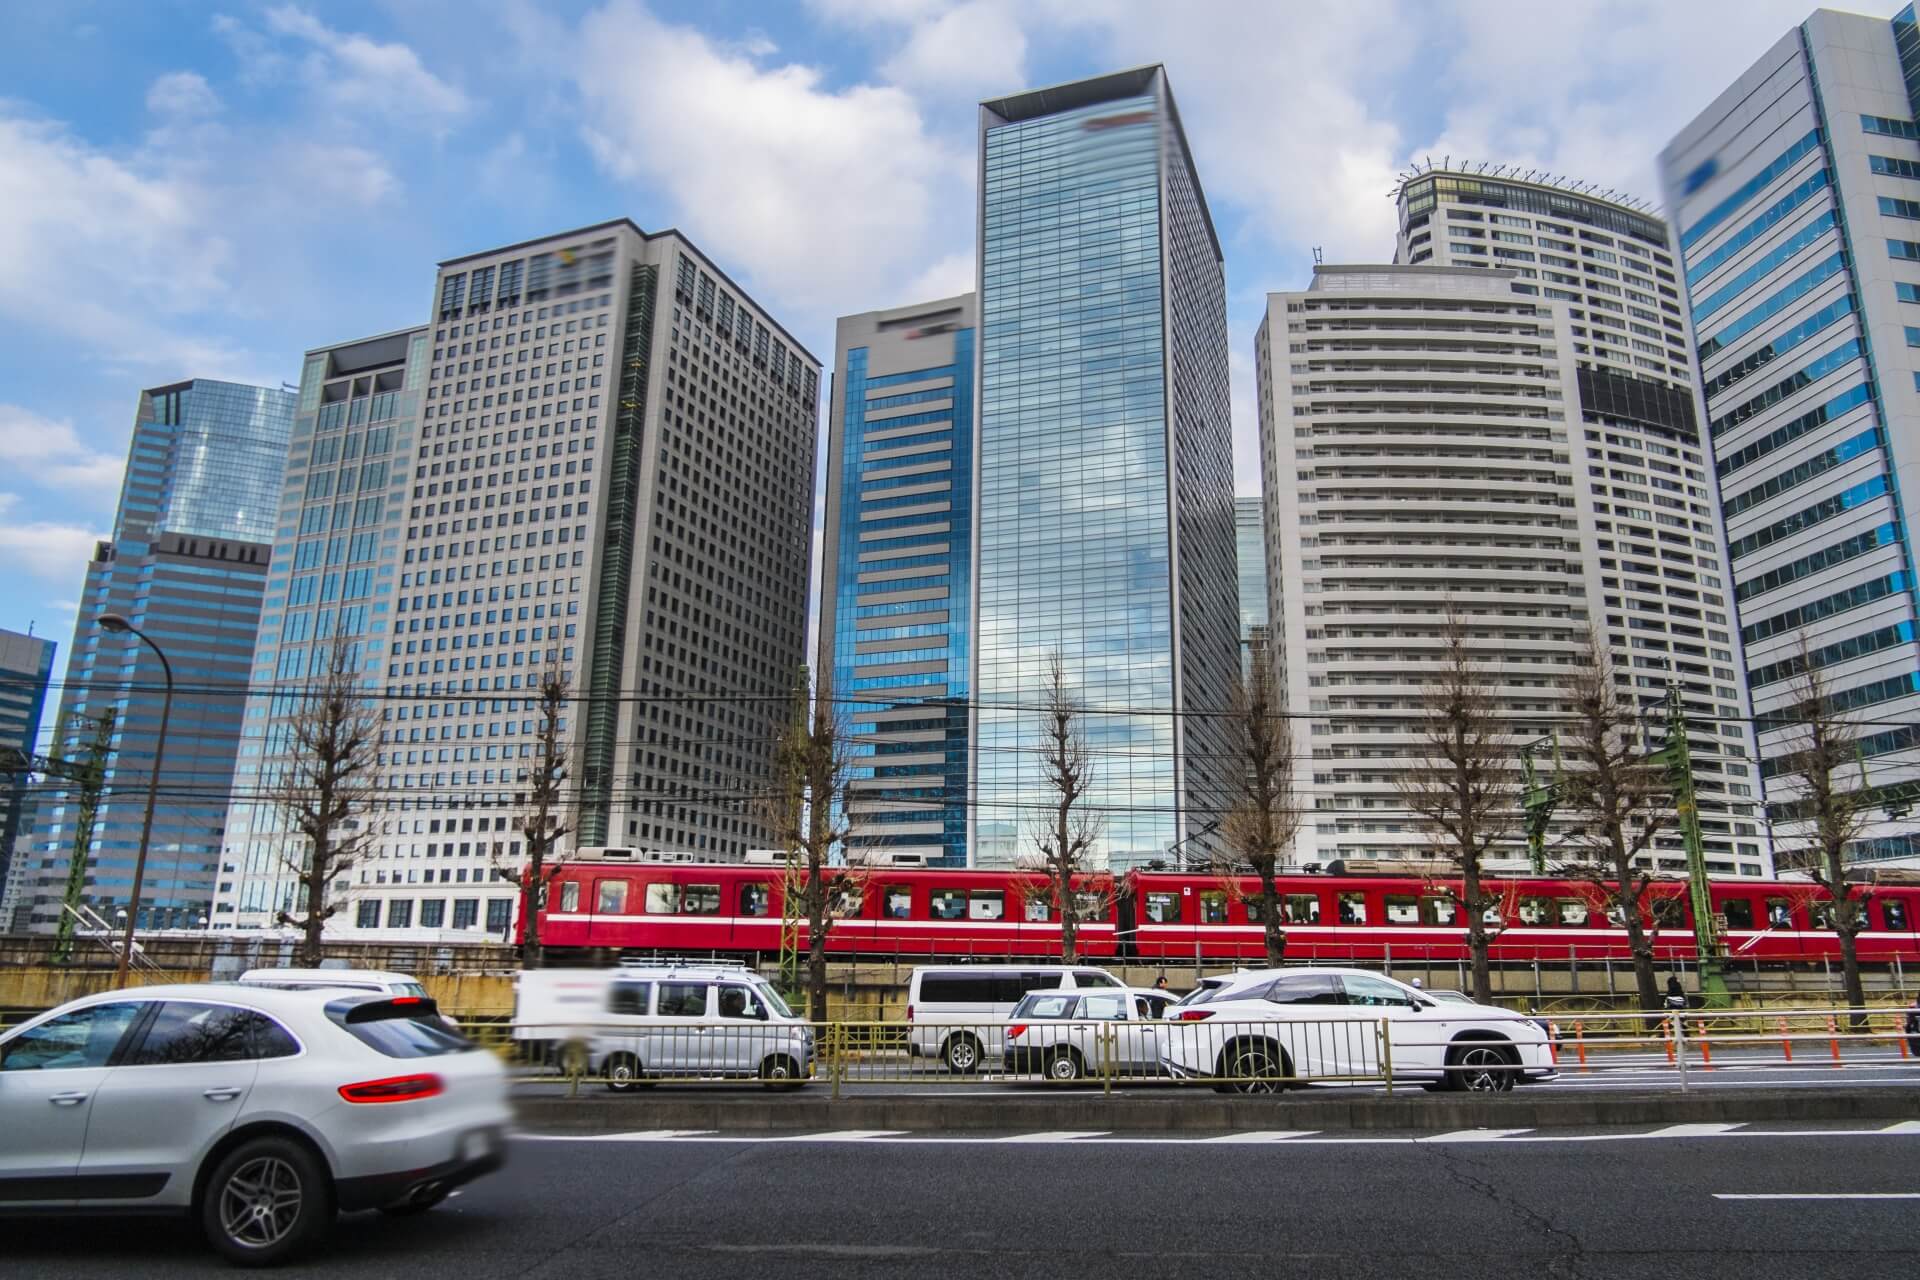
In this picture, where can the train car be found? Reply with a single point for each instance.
(614, 900)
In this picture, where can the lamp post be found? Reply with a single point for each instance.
(118, 625)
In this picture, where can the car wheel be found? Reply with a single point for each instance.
(1252, 1068)
(266, 1200)
(419, 1204)
(1065, 1064)
(624, 1073)
(781, 1072)
(1480, 1068)
(962, 1054)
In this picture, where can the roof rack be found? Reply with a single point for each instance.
(680, 962)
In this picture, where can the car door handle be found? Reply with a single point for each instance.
(226, 1093)
(67, 1099)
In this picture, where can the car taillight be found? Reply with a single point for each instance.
(1193, 1015)
(394, 1089)
(1016, 1030)
(909, 1013)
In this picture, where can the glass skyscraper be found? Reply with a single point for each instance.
(187, 564)
(1250, 547)
(896, 578)
(26, 664)
(1104, 504)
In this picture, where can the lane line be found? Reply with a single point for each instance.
(638, 1135)
(1817, 1195)
(1062, 1135)
(1902, 1126)
(1475, 1135)
(841, 1135)
(1258, 1135)
(1282, 1137)
(1693, 1131)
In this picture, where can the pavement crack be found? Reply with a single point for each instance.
(1571, 1262)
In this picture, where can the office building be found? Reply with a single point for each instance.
(187, 564)
(1250, 550)
(1796, 199)
(1434, 439)
(1104, 496)
(335, 570)
(612, 476)
(26, 665)
(896, 587)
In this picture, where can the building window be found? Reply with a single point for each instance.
(466, 912)
(400, 913)
(367, 915)
(499, 914)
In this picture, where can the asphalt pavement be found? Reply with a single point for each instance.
(1700, 1202)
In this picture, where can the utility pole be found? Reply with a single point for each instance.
(1539, 800)
(88, 772)
(1677, 759)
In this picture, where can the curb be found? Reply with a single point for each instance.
(746, 1113)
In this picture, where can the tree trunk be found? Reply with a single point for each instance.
(1477, 941)
(817, 967)
(532, 954)
(1850, 966)
(310, 946)
(1069, 930)
(1270, 915)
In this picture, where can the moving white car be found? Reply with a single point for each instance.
(258, 1111)
(381, 980)
(956, 1010)
(1066, 1035)
(696, 1021)
(1261, 1030)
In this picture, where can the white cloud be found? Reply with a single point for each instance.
(824, 196)
(971, 51)
(182, 94)
(951, 275)
(866, 13)
(45, 549)
(353, 175)
(358, 74)
(50, 452)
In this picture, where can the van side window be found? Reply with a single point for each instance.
(629, 997)
(1085, 978)
(956, 988)
(683, 1000)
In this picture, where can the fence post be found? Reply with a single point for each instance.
(1833, 1042)
(1106, 1061)
(1680, 1046)
(1580, 1043)
(1386, 1055)
(836, 1048)
(1786, 1041)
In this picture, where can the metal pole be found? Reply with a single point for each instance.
(1680, 1046)
(114, 622)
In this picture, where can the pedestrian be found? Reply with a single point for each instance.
(1160, 983)
(1912, 1027)
(1676, 994)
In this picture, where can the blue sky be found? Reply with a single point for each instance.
(208, 190)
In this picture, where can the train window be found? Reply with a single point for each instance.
(1353, 908)
(948, 904)
(1213, 906)
(1038, 908)
(570, 896)
(1491, 915)
(848, 899)
(1163, 908)
(613, 898)
(1779, 914)
(1821, 913)
(1573, 912)
(898, 900)
(1090, 906)
(1256, 909)
(1440, 910)
(1668, 913)
(1894, 913)
(987, 904)
(1403, 909)
(1739, 912)
(663, 899)
(629, 997)
(1300, 908)
(1535, 911)
(754, 899)
(701, 900)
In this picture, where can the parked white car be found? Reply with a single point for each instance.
(259, 1111)
(1066, 1035)
(696, 1021)
(956, 1010)
(1262, 1030)
(380, 980)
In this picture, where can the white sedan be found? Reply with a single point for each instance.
(260, 1112)
(1262, 1030)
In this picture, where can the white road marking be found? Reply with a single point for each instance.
(1693, 1131)
(1281, 1137)
(1902, 1126)
(1261, 1135)
(1063, 1135)
(1817, 1195)
(1474, 1135)
(840, 1135)
(639, 1135)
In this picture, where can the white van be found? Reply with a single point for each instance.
(955, 1009)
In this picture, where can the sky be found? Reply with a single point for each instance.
(193, 190)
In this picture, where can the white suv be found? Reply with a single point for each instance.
(1261, 1030)
(258, 1111)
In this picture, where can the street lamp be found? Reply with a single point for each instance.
(113, 622)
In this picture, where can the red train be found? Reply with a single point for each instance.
(603, 902)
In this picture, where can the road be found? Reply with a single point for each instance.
(1478, 1204)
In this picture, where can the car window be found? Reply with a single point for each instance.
(629, 998)
(1152, 1006)
(1305, 988)
(683, 1000)
(1206, 991)
(1376, 992)
(774, 1002)
(1087, 978)
(1104, 1008)
(1047, 1006)
(385, 1029)
(84, 1038)
(409, 989)
(741, 1003)
(181, 1032)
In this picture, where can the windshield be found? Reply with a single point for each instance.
(773, 1000)
(1046, 1004)
(1450, 997)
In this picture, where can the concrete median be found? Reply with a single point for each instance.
(750, 1114)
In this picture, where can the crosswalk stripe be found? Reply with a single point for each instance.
(1264, 1135)
(1903, 1126)
(1693, 1130)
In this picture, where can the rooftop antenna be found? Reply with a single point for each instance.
(1316, 255)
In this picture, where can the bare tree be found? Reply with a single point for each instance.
(1817, 775)
(1462, 790)
(806, 810)
(1065, 835)
(1263, 812)
(545, 819)
(1615, 801)
(323, 783)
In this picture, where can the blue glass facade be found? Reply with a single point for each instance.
(1105, 489)
(898, 579)
(187, 565)
(26, 665)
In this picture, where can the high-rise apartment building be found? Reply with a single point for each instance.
(1433, 441)
(1796, 200)
(26, 665)
(896, 587)
(335, 571)
(1104, 501)
(188, 565)
(1250, 550)
(611, 476)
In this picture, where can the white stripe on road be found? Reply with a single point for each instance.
(1279, 1137)
(1903, 1126)
(1693, 1131)
(1062, 1135)
(1262, 1135)
(639, 1135)
(1475, 1135)
(841, 1135)
(1818, 1195)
